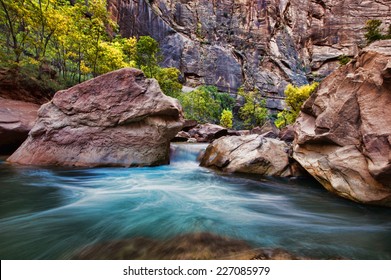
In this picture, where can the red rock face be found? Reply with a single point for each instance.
(343, 135)
(264, 43)
(117, 119)
(16, 120)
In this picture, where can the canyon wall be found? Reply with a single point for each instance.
(261, 43)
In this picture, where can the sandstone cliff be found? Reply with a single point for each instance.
(266, 43)
(343, 134)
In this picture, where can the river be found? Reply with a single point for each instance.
(50, 213)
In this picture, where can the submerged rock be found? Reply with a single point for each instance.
(196, 246)
(249, 154)
(16, 120)
(117, 119)
(343, 134)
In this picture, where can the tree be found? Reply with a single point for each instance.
(226, 118)
(12, 24)
(128, 46)
(253, 112)
(199, 105)
(295, 98)
(168, 81)
(146, 57)
(224, 99)
(373, 33)
(72, 36)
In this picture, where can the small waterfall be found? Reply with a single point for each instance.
(186, 152)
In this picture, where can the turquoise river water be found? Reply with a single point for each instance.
(50, 213)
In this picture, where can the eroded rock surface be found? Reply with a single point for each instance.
(266, 43)
(207, 132)
(343, 134)
(253, 154)
(16, 120)
(117, 119)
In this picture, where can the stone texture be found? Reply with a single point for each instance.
(253, 154)
(192, 246)
(181, 136)
(266, 43)
(117, 119)
(15, 85)
(16, 120)
(189, 124)
(343, 134)
(287, 134)
(207, 132)
(268, 128)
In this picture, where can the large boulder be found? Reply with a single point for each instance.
(16, 120)
(252, 154)
(117, 119)
(343, 134)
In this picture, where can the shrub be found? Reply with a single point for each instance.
(254, 112)
(343, 59)
(226, 118)
(205, 104)
(168, 81)
(373, 33)
(295, 97)
(199, 105)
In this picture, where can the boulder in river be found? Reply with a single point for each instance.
(16, 120)
(208, 132)
(253, 154)
(117, 119)
(343, 134)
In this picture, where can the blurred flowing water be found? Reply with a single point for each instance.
(50, 213)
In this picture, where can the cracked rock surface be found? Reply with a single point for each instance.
(263, 43)
(343, 134)
(117, 119)
(252, 154)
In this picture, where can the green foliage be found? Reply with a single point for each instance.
(205, 104)
(199, 105)
(146, 57)
(373, 33)
(343, 59)
(168, 81)
(72, 37)
(373, 30)
(295, 97)
(225, 100)
(254, 112)
(226, 118)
